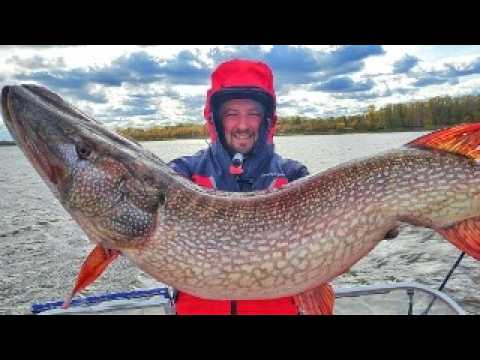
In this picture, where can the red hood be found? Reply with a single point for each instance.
(244, 75)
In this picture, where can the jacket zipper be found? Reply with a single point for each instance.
(233, 307)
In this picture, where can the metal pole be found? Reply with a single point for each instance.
(445, 281)
(410, 293)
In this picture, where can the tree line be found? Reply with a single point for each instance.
(430, 114)
(180, 131)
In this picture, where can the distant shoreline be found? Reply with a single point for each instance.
(345, 132)
(13, 143)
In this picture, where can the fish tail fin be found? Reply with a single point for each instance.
(465, 235)
(316, 301)
(463, 139)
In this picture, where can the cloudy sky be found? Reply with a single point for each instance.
(154, 85)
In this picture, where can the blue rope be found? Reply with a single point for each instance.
(92, 300)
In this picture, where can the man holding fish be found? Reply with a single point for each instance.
(241, 119)
(268, 252)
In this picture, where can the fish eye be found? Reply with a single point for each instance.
(83, 150)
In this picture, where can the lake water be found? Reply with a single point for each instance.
(41, 248)
(317, 152)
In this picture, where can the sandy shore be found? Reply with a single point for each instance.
(41, 250)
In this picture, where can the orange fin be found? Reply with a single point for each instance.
(93, 266)
(465, 235)
(317, 301)
(462, 139)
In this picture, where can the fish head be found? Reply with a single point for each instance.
(110, 185)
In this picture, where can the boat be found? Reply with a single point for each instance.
(401, 298)
(404, 298)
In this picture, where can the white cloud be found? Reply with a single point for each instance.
(170, 101)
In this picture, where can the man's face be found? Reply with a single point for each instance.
(241, 119)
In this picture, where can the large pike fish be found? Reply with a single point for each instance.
(212, 244)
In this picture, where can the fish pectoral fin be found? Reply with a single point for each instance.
(465, 235)
(316, 301)
(93, 266)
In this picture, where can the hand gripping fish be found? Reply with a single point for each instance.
(285, 242)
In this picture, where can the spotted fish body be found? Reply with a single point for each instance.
(285, 242)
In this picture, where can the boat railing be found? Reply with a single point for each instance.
(159, 300)
(411, 288)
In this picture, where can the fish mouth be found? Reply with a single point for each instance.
(6, 112)
(5, 91)
(13, 127)
(30, 134)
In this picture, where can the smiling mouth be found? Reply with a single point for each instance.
(243, 137)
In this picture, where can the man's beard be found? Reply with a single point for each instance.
(243, 135)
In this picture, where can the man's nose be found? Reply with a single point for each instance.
(243, 122)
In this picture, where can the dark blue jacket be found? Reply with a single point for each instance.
(262, 169)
